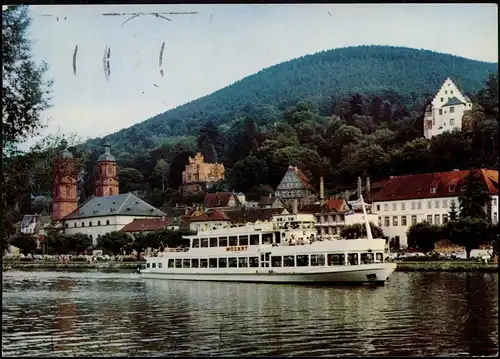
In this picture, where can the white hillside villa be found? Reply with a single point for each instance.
(446, 111)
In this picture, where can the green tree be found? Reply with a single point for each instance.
(469, 232)
(358, 230)
(130, 179)
(115, 242)
(453, 213)
(24, 92)
(161, 170)
(423, 236)
(25, 242)
(475, 199)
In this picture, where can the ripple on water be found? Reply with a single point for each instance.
(68, 314)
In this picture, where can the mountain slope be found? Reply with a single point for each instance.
(363, 69)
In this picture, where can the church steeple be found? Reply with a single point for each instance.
(107, 182)
(64, 187)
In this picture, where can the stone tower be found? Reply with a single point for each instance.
(107, 182)
(64, 195)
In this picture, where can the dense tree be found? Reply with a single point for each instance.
(24, 91)
(424, 236)
(130, 179)
(468, 232)
(475, 199)
(115, 242)
(453, 213)
(25, 242)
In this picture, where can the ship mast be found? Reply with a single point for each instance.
(367, 224)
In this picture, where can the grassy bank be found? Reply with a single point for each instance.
(445, 266)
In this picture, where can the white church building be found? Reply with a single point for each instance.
(446, 110)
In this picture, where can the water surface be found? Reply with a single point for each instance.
(89, 313)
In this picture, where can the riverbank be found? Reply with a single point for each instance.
(445, 266)
(108, 265)
(406, 266)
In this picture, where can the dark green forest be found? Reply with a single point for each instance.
(402, 76)
(339, 114)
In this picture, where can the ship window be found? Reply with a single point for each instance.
(222, 262)
(254, 239)
(317, 259)
(178, 263)
(186, 263)
(212, 262)
(223, 242)
(171, 263)
(232, 262)
(213, 242)
(148, 265)
(380, 257)
(159, 265)
(336, 260)
(366, 258)
(352, 259)
(243, 241)
(203, 263)
(303, 260)
(253, 261)
(267, 238)
(276, 261)
(233, 241)
(289, 261)
(196, 242)
(154, 265)
(204, 242)
(243, 262)
(195, 262)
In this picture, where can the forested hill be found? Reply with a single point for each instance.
(322, 77)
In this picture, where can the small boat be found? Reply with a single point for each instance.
(284, 250)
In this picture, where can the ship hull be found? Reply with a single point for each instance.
(371, 273)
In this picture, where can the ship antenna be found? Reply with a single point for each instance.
(367, 224)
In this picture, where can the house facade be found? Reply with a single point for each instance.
(296, 186)
(406, 200)
(446, 111)
(101, 215)
(199, 175)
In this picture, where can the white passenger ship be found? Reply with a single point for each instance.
(284, 250)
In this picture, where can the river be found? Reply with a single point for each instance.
(91, 313)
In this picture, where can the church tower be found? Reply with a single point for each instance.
(64, 195)
(107, 182)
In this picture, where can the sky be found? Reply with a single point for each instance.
(221, 44)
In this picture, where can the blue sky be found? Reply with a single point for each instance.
(218, 46)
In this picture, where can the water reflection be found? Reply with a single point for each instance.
(106, 314)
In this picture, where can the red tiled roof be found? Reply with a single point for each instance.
(335, 204)
(305, 181)
(210, 215)
(147, 224)
(220, 199)
(419, 186)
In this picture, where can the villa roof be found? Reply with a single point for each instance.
(453, 101)
(419, 185)
(126, 204)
